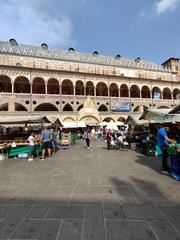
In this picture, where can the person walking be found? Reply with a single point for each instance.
(87, 137)
(163, 141)
(109, 138)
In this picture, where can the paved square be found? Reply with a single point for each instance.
(88, 195)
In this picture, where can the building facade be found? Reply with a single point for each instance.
(77, 86)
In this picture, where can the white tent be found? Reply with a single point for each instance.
(103, 124)
(118, 123)
(112, 125)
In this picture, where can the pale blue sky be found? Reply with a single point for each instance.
(132, 28)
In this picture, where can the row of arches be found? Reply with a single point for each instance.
(66, 108)
(50, 107)
(22, 85)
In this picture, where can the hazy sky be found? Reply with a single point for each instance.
(149, 29)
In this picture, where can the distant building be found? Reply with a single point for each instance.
(78, 86)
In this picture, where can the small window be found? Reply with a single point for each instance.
(44, 46)
(95, 53)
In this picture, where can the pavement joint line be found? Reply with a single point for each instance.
(83, 224)
(170, 222)
(105, 228)
(48, 210)
(59, 230)
(148, 223)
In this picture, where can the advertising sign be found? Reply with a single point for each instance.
(157, 95)
(120, 107)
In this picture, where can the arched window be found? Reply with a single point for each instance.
(89, 89)
(5, 84)
(38, 86)
(156, 93)
(79, 89)
(101, 89)
(108, 119)
(102, 108)
(67, 88)
(53, 86)
(121, 119)
(21, 85)
(176, 93)
(113, 88)
(166, 93)
(67, 108)
(124, 91)
(145, 92)
(134, 91)
(46, 107)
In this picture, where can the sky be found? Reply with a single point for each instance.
(148, 29)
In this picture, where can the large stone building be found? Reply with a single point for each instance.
(78, 86)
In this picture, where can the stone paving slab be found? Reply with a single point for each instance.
(88, 195)
(37, 229)
(128, 230)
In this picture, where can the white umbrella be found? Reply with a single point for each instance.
(118, 123)
(112, 125)
(104, 123)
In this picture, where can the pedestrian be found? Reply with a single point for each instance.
(87, 136)
(163, 141)
(109, 138)
(31, 140)
(46, 136)
(54, 140)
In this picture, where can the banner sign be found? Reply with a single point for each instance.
(120, 107)
(157, 95)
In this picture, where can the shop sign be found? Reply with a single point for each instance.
(120, 107)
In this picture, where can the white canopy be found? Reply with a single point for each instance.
(118, 123)
(24, 120)
(103, 124)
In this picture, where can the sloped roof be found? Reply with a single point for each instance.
(176, 110)
(38, 51)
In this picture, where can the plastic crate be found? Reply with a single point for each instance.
(175, 164)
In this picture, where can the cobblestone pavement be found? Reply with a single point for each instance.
(91, 194)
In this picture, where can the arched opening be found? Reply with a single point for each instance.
(89, 89)
(134, 91)
(163, 107)
(121, 119)
(113, 89)
(38, 86)
(19, 107)
(166, 93)
(67, 108)
(124, 91)
(46, 107)
(145, 92)
(53, 86)
(108, 119)
(21, 85)
(5, 84)
(102, 108)
(156, 93)
(140, 108)
(176, 93)
(101, 89)
(79, 89)
(4, 107)
(80, 107)
(67, 88)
